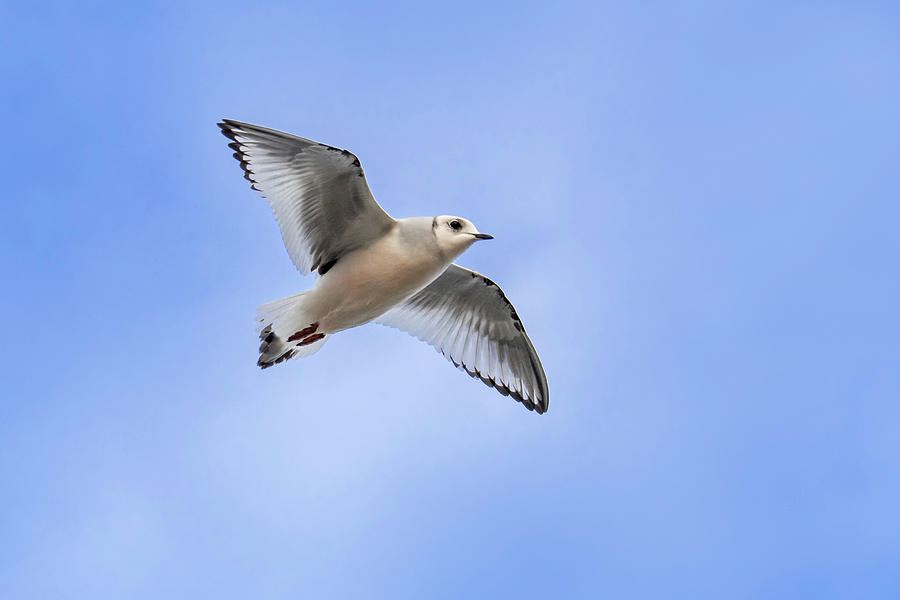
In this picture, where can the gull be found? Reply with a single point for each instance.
(373, 268)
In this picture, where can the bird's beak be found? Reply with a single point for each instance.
(482, 236)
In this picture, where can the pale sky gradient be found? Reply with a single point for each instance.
(695, 210)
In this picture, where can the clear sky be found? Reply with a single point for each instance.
(696, 213)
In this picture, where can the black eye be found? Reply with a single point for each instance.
(455, 225)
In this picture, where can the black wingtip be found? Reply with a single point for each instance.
(227, 128)
(538, 405)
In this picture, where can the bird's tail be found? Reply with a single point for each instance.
(286, 331)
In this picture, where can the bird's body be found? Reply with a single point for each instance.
(370, 281)
(375, 268)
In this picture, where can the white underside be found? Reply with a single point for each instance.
(360, 287)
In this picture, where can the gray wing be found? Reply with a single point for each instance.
(318, 193)
(468, 318)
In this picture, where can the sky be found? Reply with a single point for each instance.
(695, 208)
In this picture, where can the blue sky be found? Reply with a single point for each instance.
(695, 210)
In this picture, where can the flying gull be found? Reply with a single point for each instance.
(371, 267)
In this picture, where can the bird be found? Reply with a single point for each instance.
(373, 268)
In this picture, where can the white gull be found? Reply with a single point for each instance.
(398, 272)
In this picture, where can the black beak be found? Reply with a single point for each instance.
(482, 236)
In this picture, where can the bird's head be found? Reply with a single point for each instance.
(455, 234)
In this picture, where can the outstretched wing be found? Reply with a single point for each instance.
(468, 318)
(318, 193)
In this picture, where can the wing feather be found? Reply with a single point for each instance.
(318, 193)
(469, 319)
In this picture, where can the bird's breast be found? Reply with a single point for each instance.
(368, 282)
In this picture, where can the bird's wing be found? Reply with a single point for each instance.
(468, 318)
(318, 193)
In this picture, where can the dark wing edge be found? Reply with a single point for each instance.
(231, 129)
(459, 299)
(323, 203)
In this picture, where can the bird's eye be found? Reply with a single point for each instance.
(455, 225)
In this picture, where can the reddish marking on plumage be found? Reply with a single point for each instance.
(304, 332)
(311, 339)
